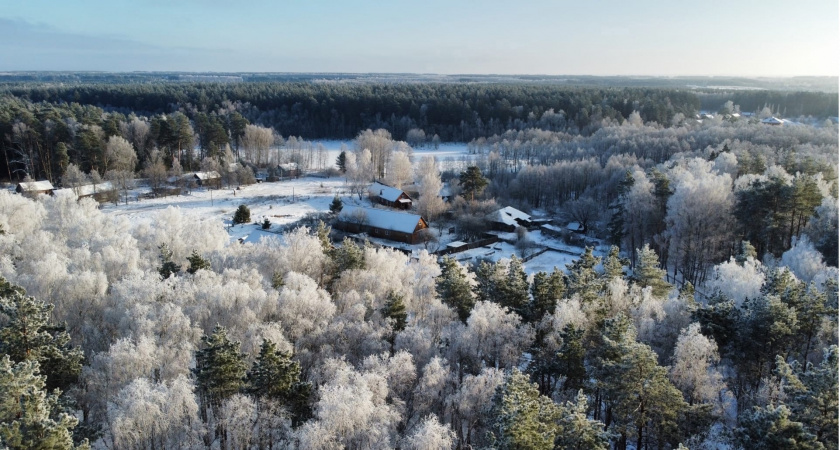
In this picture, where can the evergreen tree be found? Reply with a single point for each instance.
(266, 225)
(167, 266)
(336, 206)
(341, 162)
(472, 182)
(514, 288)
(582, 277)
(578, 432)
(615, 226)
(614, 265)
(570, 358)
(771, 428)
(745, 250)
(26, 335)
(812, 395)
(454, 289)
(197, 263)
(242, 215)
(546, 290)
(395, 310)
(219, 368)
(648, 273)
(323, 233)
(274, 375)
(348, 256)
(524, 419)
(29, 417)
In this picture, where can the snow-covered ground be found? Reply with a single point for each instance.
(286, 202)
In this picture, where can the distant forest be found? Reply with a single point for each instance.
(57, 123)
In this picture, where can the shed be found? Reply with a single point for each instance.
(381, 223)
(389, 196)
(34, 188)
(288, 170)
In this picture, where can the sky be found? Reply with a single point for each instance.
(597, 37)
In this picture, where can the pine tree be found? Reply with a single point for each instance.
(274, 375)
(26, 335)
(546, 290)
(648, 273)
(219, 368)
(616, 227)
(514, 288)
(771, 428)
(454, 289)
(167, 266)
(745, 250)
(583, 279)
(29, 417)
(336, 206)
(242, 215)
(323, 233)
(395, 310)
(266, 225)
(197, 263)
(341, 162)
(523, 419)
(614, 265)
(472, 182)
(347, 257)
(812, 395)
(577, 431)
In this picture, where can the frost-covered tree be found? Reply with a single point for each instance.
(398, 170)
(699, 219)
(430, 435)
(29, 417)
(649, 274)
(523, 417)
(693, 370)
(27, 335)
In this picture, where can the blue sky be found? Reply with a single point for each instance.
(676, 37)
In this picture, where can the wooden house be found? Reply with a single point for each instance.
(508, 218)
(389, 196)
(288, 170)
(208, 179)
(34, 188)
(381, 223)
(101, 192)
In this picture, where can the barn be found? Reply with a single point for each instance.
(381, 223)
(34, 188)
(389, 196)
(101, 192)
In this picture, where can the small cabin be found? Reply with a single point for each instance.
(389, 196)
(34, 188)
(288, 170)
(101, 192)
(381, 223)
(208, 179)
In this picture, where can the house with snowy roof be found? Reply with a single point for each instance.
(100, 192)
(211, 179)
(508, 218)
(381, 223)
(773, 121)
(34, 188)
(389, 196)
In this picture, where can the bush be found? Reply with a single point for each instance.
(242, 215)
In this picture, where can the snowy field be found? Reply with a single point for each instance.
(287, 202)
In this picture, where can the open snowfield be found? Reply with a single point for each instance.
(286, 202)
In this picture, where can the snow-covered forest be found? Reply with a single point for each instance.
(712, 322)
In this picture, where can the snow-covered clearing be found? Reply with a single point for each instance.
(286, 202)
